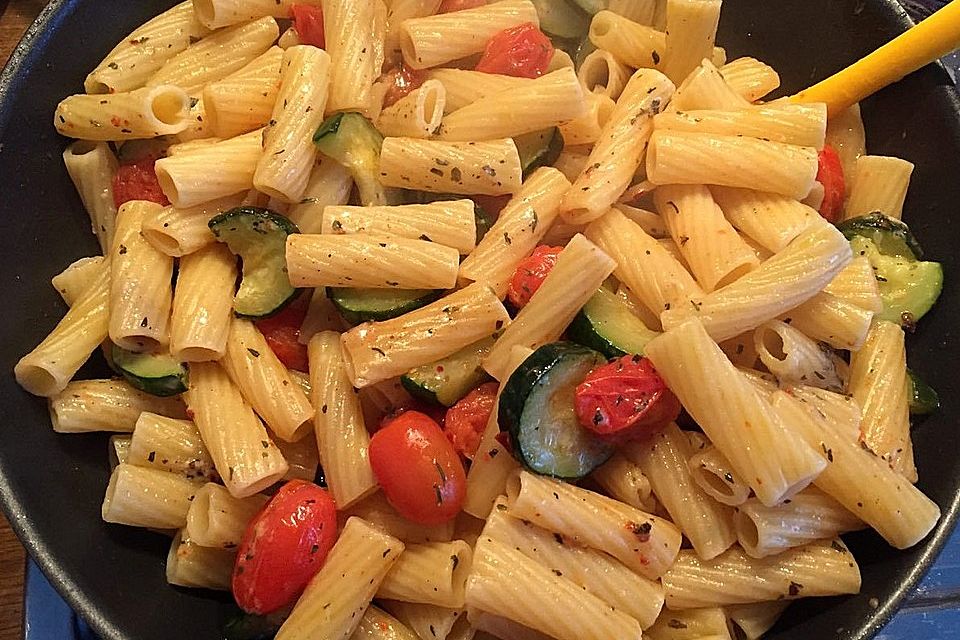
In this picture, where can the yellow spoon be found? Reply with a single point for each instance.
(931, 39)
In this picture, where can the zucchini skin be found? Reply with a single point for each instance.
(258, 300)
(924, 399)
(354, 314)
(532, 375)
(128, 365)
(891, 237)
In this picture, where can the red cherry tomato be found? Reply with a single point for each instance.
(830, 175)
(282, 333)
(420, 473)
(448, 6)
(530, 274)
(467, 419)
(625, 400)
(284, 546)
(308, 23)
(138, 181)
(405, 80)
(523, 51)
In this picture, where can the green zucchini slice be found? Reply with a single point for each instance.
(354, 142)
(158, 374)
(445, 381)
(259, 237)
(539, 149)
(537, 410)
(923, 398)
(372, 305)
(608, 325)
(908, 287)
(891, 237)
(562, 18)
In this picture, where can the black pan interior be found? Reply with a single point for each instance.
(51, 486)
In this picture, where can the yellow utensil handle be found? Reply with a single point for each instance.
(931, 39)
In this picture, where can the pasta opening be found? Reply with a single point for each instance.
(194, 354)
(461, 571)
(432, 102)
(82, 147)
(733, 276)
(106, 508)
(137, 343)
(198, 517)
(772, 343)
(747, 532)
(604, 111)
(96, 87)
(170, 107)
(39, 382)
(409, 50)
(513, 488)
(595, 73)
(717, 484)
(166, 244)
(173, 560)
(245, 491)
(167, 184)
(205, 12)
(601, 25)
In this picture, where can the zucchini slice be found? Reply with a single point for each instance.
(158, 374)
(562, 18)
(908, 287)
(537, 410)
(608, 325)
(923, 398)
(259, 237)
(354, 142)
(445, 381)
(891, 237)
(364, 305)
(539, 149)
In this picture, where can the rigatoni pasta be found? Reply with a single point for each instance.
(489, 168)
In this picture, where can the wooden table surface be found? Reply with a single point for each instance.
(15, 17)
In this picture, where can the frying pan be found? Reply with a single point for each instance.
(51, 486)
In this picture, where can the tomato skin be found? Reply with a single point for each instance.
(625, 400)
(308, 23)
(830, 175)
(522, 51)
(282, 333)
(421, 474)
(138, 181)
(467, 419)
(448, 6)
(284, 546)
(530, 274)
(405, 81)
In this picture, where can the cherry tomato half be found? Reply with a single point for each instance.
(284, 547)
(421, 474)
(830, 175)
(282, 333)
(467, 419)
(138, 181)
(308, 23)
(530, 274)
(625, 400)
(523, 51)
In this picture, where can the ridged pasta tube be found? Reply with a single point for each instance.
(149, 112)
